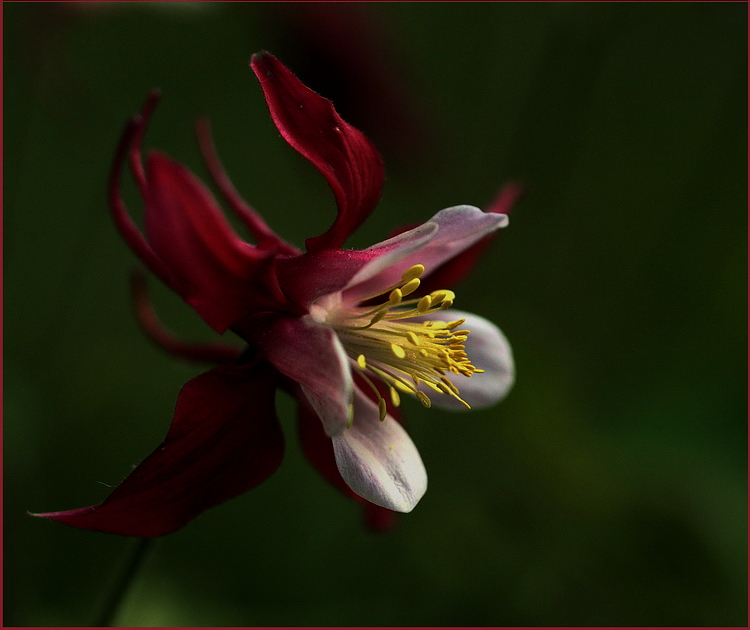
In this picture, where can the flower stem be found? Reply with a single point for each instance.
(117, 595)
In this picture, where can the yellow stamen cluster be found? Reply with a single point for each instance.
(404, 354)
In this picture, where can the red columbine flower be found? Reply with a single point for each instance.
(339, 329)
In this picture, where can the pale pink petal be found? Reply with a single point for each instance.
(378, 460)
(391, 253)
(445, 276)
(457, 229)
(488, 350)
(313, 356)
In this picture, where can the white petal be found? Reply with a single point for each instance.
(458, 228)
(378, 460)
(488, 350)
(332, 401)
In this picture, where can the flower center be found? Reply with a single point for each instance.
(388, 342)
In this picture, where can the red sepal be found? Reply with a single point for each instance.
(213, 269)
(212, 353)
(224, 440)
(307, 277)
(343, 155)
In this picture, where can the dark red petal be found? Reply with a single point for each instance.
(309, 276)
(345, 157)
(213, 269)
(457, 268)
(252, 220)
(212, 353)
(345, 47)
(129, 146)
(318, 449)
(224, 440)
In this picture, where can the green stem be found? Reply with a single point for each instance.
(114, 601)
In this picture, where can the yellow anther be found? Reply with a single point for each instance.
(378, 316)
(424, 399)
(445, 389)
(410, 286)
(449, 384)
(434, 387)
(424, 304)
(395, 398)
(441, 296)
(412, 272)
(382, 409)
(389, 344)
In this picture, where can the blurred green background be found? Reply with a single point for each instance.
(608, 489)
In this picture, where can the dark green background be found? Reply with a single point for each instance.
(608, 489)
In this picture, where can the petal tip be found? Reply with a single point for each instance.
(260, 58)
(378, 460)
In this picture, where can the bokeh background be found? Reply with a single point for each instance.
(608, 489)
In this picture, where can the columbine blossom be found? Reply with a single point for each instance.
(348, 333)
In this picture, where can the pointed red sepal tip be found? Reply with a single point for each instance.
(128, 149)
(224, 440)
(344, 156)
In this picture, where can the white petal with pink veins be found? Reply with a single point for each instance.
(378, 460)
